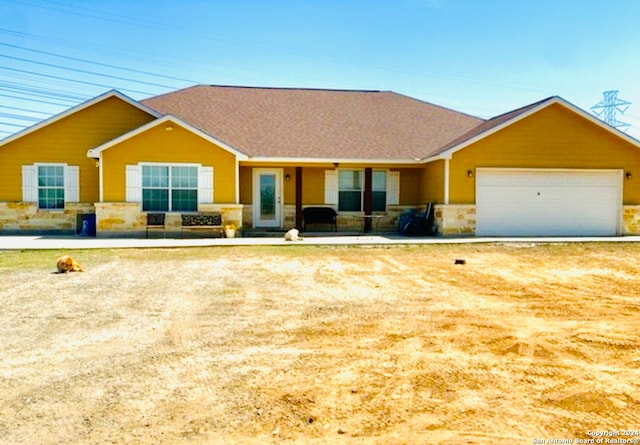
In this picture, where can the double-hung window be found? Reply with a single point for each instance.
(169, 188)
(351, 190)
(51, 186)
(379, 191)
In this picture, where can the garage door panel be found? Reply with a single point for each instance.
(547, 203)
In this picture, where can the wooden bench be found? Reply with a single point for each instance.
(319, 215)
(200, 221)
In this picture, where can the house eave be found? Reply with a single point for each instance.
(304, 160)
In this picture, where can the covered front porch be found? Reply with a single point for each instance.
(365, 198)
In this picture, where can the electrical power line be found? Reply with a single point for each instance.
(101, 64)
(67, 79)
(25, 110)
(46, 102)
(11, 125)
(77, 70)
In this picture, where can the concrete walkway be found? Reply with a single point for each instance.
(75, 242)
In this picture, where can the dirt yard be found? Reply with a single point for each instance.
(298, 344)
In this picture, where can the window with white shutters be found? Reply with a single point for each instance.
(50, 185)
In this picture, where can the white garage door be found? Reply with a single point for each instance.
(523, 202)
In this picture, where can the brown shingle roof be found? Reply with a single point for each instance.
(308, 123)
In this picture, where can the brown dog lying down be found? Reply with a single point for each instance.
(67, 264)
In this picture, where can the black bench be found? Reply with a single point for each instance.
(206, 220)
(320, 215)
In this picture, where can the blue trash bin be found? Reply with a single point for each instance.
(404, 218)
(86, 224)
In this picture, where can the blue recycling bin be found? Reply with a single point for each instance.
(404, 218)
(86, 224)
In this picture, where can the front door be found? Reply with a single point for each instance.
(267, 197)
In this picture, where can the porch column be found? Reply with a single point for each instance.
(299, 198)
(446, 180)
(368, 197)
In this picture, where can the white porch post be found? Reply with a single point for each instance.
(100, 168)
(446, 180)
(237, 181)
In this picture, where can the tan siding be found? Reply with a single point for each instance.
(67, 141)
(177, 146)
(289, 187)
(313, 185)
(552, 138)
(432, 182)
(410, 189)
(246, 181)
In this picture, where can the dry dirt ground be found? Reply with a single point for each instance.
(301, 344)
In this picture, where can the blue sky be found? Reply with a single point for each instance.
(479, 57)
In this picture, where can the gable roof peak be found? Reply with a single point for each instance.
(166, 119)
(501, 121)
(81, 106)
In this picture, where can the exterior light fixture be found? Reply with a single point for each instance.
(628, 175)
(287, 177)
(469, 174)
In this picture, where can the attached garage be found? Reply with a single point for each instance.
(548, 202)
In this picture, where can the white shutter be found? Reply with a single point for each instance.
(29, 183)
(134, 183)
(330, 187)
(71, 183)
(205, 185)
(393, 188)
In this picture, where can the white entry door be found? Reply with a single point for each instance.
(267, 197)
(548, 202)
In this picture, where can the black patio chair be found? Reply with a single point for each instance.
(421, 225)
(156, 221)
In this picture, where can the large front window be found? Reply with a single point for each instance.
(351, 190)
(169, 188)
(51, 187)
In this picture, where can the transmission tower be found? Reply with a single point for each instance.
(607, 108)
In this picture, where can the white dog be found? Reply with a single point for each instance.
(293, 235)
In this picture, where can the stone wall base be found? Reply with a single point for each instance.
(120, 219)
(631, 220)
(127, 220)
(25, 218)
(455, 219)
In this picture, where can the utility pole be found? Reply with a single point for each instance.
(607, 108)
